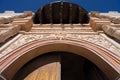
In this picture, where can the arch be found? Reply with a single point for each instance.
(61, 12)
(67, 66)
(104, 59)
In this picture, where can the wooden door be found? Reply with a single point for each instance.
(50, 71)
(49, 68)
(60, 66)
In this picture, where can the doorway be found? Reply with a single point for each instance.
(60, 66)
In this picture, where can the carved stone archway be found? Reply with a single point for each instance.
(104, 59)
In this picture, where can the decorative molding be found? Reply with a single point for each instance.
(2, 77)
(100, 54)
(95, 39)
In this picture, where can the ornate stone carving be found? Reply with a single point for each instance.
(95, 39)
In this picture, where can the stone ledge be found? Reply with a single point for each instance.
(7, 33)
(117, 34)
(115, 19)
(5, 20)
(26, 24)
(97, 24)
(112, 31)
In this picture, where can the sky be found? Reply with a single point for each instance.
(34, 5)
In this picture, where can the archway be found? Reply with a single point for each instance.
(102, 58)
(61, 13)
(60, 66)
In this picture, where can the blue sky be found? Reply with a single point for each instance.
(33, 5)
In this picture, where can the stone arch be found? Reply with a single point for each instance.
(102, 58)
(61, 12)
(70, 66)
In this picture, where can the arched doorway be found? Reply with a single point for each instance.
(60, 66)
(103, 59)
